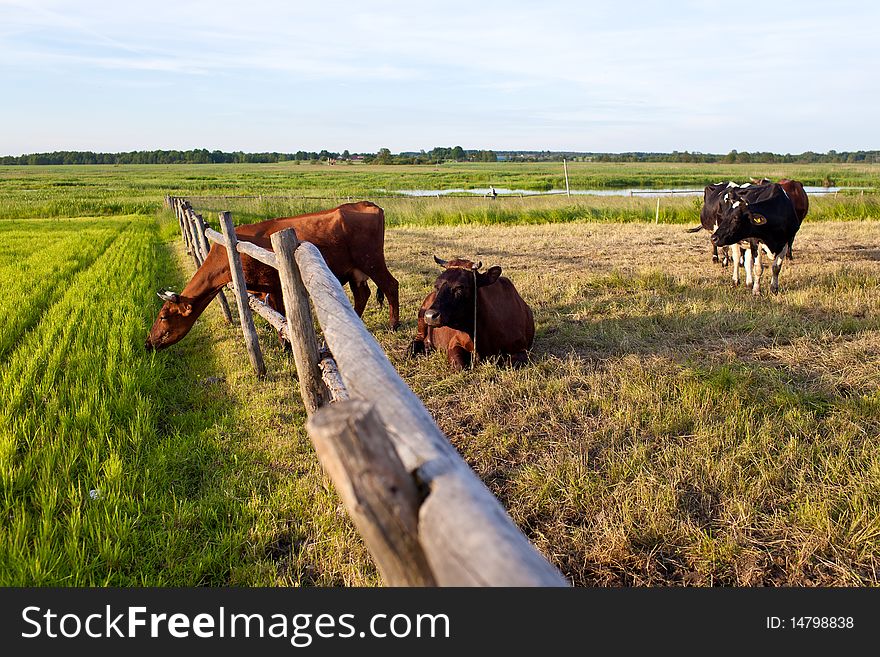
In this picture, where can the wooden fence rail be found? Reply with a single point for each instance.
(426, 518)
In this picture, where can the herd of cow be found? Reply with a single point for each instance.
(748, 219)
(471, 314)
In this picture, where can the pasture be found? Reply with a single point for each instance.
(670, 429)
(71, 191)
(673, 429)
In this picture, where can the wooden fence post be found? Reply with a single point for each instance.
(466, 534)
(189, 222)
(178, 210)
(379, 494)
(565, 169)
(244, 311)
(186, 211)
(657, 213)
(300, 329)
(202, 242)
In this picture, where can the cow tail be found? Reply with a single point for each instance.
(694, 230)
(380, 296)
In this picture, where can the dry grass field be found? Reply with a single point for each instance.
(671, 429)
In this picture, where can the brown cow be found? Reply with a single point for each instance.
(351, 238)
(794, 189)
(504, 323)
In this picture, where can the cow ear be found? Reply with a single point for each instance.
(758, 219)
(168, 295)
(185, 308)
(489, 277)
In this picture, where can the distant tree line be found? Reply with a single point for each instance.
(195, 156)
(742, 157)
(204, 156)
(436, 155)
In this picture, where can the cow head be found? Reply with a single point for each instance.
(738, 221)
(174, 321)
(454, 293)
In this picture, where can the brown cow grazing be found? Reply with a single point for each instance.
(494, 322)
(351, 238)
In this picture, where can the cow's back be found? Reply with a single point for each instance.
(506, 324)
(324, 228)
(351, 236)
(797, 195)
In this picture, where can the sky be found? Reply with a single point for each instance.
(362, 75)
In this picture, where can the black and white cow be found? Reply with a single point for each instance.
(757, 218)
(715, 197)
(710, 213)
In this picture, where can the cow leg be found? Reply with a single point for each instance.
(734, 256)
(725, 256)
(777, 266)
(459, 358)
(714, 253)
(275, 301)
(759, 270)
(361, 293)
(420, 343)
(748, 262)
(416, 348)
(389, 286)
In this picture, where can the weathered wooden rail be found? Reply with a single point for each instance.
(426, 518)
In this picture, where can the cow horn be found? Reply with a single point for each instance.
(477, 266)
(168, 295)
(440, 262)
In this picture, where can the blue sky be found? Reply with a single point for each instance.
(586, 76)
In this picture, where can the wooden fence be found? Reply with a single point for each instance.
(425, 517)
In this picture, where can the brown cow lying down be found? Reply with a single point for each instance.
(504, 322)
(351, 238)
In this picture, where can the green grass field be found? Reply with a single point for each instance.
(72, 191)
(199, 478)
(670, 430)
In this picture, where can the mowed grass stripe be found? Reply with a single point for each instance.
(60, 426)
(38, 259)
(183, 495)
